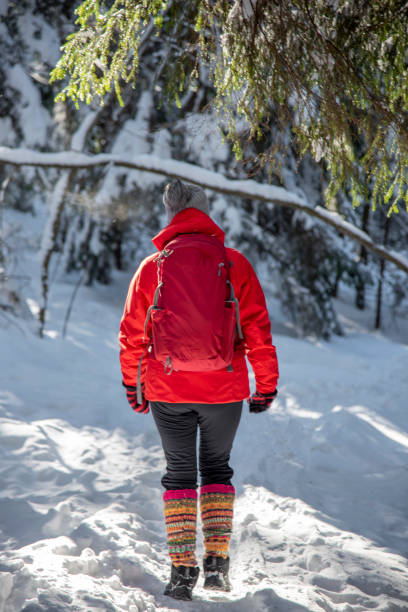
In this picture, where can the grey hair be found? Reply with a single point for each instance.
(178, 196)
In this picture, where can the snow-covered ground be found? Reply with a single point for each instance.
(321, 520)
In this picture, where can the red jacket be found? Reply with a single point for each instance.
(220, 386)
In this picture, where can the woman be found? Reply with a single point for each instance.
(186, 398)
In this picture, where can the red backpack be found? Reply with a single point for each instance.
(194, 313)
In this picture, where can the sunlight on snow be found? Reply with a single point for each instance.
(293, 408)
(380, 424)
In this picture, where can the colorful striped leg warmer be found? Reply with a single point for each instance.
(217, 502)
(180, 513)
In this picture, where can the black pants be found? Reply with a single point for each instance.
(178, 425)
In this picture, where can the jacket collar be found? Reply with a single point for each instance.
(188, 221)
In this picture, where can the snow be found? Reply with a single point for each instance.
(132, 142)
(7, 134)
(79, 137)
(321, 511)
(44, 42)
(344, 224)
(34, 119)
(233, 221)
(202, 139)
(248, 8)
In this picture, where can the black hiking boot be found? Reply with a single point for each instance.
(182, 581)
(216, 574)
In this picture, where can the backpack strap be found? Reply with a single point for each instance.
(139, 395)
(162, 255)
(152, 307)
(234, 299)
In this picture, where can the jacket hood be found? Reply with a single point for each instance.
(188, 221)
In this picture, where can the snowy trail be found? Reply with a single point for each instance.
(321, 512)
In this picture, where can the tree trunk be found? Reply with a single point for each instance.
(360, 287)
(380, 280)
(57, 204)
(49, 240)
(339, 273)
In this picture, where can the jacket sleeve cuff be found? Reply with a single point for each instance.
(130, 388)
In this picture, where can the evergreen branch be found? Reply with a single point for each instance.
(334, 73)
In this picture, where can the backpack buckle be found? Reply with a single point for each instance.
(162, 255)
(168, 366)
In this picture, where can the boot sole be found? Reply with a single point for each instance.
(219, 589)
(181, 596)
(226, 587)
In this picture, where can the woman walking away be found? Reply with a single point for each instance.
(194, 310)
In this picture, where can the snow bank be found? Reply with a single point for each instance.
(320, 518)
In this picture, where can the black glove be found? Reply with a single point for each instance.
(131, 394)
(258, 402)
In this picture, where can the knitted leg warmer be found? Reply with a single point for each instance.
(180, 513)
(217, 501)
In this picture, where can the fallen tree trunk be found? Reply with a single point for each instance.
(205, 178)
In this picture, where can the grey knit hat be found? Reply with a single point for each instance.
(178, 196)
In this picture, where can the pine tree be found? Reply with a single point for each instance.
(334, 71)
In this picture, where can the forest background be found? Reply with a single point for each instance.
(99, 217)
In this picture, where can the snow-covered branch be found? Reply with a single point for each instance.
(205, 178)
